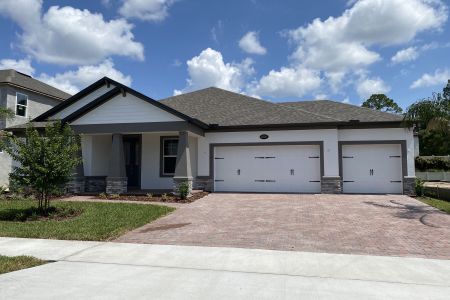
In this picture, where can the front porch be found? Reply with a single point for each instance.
(135, 163)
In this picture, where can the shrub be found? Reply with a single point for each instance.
(183, 190)
(419, 187)
(103, 196)
(149, 195)
(424, 163)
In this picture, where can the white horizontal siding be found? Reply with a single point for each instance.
(128, 109)
(82, 102)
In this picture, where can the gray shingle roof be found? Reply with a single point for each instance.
(342, 111)
(16, 78)
(225, 108)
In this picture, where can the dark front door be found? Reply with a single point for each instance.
(132, 149)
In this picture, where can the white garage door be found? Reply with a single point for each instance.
(372, 168)
(283, 168)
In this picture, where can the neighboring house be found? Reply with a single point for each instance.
(223, 141)
(27, 98)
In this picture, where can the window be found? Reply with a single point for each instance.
(169, 149)
(21, 105)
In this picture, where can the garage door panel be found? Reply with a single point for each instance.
(372, 168)
(287, 168)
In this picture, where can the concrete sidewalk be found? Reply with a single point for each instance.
(132, 271)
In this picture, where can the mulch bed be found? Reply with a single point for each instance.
(167, 198)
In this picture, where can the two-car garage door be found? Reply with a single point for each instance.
(275, 168)
(365, 168)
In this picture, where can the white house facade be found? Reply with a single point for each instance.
(226, 142)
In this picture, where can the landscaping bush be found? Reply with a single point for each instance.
(183, 190)
(419, 187)
(424, 163)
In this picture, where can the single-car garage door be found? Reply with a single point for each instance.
(374, 168)
(277, 168)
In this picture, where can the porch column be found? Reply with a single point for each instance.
(116, 181)
(183, 172)
(77, 183)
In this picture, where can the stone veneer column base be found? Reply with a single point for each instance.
(331, 185)
(76, 185)
(116, 185)
(409, 186)
(178, 180)
(203, 183)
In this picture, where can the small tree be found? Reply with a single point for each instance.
(44, 162)
(383, 103)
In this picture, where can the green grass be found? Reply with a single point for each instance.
(14, 263)
(439, 204)
(97, 222)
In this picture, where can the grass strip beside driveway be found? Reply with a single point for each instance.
(14, 263)
(97, 221)
(439, 204)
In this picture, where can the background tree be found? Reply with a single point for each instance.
(432, 119)
(45, 162)
(383, 103)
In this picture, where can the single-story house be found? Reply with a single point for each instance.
(227, 142)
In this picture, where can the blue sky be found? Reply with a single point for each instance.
(277, 50)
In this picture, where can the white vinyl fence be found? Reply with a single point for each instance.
(434, 176)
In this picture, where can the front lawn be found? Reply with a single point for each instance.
(439, 204)
(14, 263)
(94, 222)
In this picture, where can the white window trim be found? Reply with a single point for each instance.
(17, 104)
(164, 139)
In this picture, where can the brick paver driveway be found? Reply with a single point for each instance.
(357, 224)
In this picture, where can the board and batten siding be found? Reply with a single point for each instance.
(81, 102)
(128, 109)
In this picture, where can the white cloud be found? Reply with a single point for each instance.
(439, 77)
(209, 69)
(368, 86)
(405, 55)
(146, 10)
(250, 43)
(21, 65)
(66, 35)
(320, 96)
(342, 43)
(73, 81)
(216, 31)
(346, 100)
(287, 82)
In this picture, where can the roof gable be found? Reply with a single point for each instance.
(66, 112)
(124, 108)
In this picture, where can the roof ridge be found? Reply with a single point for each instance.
(222, 90)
